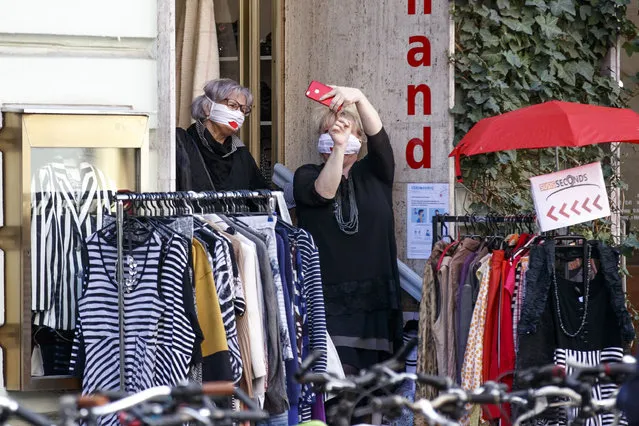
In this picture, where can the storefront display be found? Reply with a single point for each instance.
(63, 169)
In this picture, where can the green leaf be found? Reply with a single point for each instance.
(489, 39)
(459, 108)
(469, 27)
(517, 26)
(548, 25)
(584, 11)
(539, 4)
(512, 58)
(558, 55)
(500, 69)
(503, 4)
(559, 7)
(586, 70)
(492, 106)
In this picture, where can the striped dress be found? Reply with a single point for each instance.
(158, 338)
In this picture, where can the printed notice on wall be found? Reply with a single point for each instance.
(423, 201)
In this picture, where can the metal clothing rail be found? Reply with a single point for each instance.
(440, 220)
(186, 196)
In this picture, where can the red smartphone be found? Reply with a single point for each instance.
(316, 90)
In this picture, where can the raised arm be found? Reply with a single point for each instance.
(380, 153)
(345, 96)
(330, 177)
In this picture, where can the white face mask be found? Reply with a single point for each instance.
(222, 114)
(325, 144)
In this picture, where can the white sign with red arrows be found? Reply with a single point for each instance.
(570, 197)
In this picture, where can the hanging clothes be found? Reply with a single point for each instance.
(467, 298)
(67, 206)
(444, 318)
(219, 288)
(464, 250)
(222, 271)
(428, 312)
(473, 365)
(158, 339)
(574, 309)
(215, 350)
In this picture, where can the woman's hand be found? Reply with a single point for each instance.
(345, 96)
(340, 131)
(342, 96)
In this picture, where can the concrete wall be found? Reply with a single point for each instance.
(364, 44)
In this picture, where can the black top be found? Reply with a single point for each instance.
(371, 253)
(203, 167)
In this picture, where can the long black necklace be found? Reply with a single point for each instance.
(586, 270)
(351, 226)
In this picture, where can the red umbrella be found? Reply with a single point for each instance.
(546, 125)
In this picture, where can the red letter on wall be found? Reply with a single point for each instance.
(423, 50)
(412, 94)
(412, 7)
(424, 163)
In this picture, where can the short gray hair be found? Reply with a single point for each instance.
(217, 90)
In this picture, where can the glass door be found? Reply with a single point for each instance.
(247, 32)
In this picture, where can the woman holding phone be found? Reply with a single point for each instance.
(210, 156)
(346, 204)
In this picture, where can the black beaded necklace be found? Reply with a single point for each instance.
(586, 272)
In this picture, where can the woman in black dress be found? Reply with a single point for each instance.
(346, 204)
(210, 156)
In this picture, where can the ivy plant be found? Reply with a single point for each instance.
(513, 53)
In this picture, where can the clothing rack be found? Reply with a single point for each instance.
(186, 196)
(439, 222)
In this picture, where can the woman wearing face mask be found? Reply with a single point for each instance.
(210, 156)
(346, 204)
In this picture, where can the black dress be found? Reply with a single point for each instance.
(209, 166)
(359, 272)
(552, 315)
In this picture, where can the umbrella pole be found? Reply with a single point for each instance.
(565, 230)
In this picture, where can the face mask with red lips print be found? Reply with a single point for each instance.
(222, 114)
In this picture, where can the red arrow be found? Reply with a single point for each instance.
(562, 211)
(585, 205)
(594, 203)
(574, 208)
(550, 215)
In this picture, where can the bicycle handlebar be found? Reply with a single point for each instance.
(24, 413)
(181, 392)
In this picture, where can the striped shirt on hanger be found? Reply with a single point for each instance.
(67, 205)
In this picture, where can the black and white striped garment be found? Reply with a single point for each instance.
(313, 298)
(223, 277)
(175, 336)
(600, 390)
(67, 205)
(98, 329)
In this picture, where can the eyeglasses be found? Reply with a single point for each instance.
(235, 105)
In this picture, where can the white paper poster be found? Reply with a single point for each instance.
(570, 197)
(423, 201)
